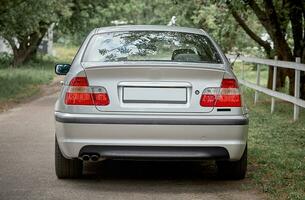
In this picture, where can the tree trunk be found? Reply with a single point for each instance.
(302, 89)
(19, 58)
(302, 79)
(280, 78)
(27, 48)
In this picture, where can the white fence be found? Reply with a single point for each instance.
(297, 66)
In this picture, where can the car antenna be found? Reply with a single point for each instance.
(237, 55)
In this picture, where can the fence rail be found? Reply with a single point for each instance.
(297, 66)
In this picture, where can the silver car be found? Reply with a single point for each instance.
(150, 93)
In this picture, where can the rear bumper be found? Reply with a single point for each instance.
(151, 136)
(156, 152)
(149, 119)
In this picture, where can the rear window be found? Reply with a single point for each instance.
(151, 46)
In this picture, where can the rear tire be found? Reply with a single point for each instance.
(66, 168)
(235, 170)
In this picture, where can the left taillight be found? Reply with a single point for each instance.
(228, 95)
(79, 93)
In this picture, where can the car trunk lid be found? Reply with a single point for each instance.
(161, 88)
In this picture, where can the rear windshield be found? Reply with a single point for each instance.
(151, 46)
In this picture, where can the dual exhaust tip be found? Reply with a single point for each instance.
(93, 157)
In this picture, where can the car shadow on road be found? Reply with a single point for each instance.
(150, 170)
(155, 178)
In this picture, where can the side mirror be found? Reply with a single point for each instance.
(62, 69)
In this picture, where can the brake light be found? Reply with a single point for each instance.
(79, 93)
(229, 83)
(228, 95)
(79, 81)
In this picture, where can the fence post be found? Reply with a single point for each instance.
(273, 85)
(258, 78)
(296, 108)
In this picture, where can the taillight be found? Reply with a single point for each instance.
(100, 96)
(228, 95)
(79, 81)
(79, 93)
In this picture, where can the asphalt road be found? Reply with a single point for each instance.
(27, 168)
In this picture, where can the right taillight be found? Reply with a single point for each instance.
(79, 93)
(228, 95)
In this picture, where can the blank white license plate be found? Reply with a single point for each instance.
(154, 95)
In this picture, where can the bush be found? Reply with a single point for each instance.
(5, 59)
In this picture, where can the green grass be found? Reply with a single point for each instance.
(276, 144)
(250, 72)
(64, 53)
(16, 84)
(276, 149)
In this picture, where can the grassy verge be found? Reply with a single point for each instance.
(16, 84)
(276, 143)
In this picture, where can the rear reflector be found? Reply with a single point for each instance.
(207, 100)
(79, 93)
(226, 96)
(101, 99)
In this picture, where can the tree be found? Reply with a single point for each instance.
(215, 18)
(23, 23)
(284, 22)
(85, 16)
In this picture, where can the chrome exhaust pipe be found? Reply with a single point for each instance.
(85, 157)
(94, 158)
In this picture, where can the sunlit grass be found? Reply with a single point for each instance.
(65, 53)
(24, 81)
(250, 72)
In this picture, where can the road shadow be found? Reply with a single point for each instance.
(155, 178)
(150, 170)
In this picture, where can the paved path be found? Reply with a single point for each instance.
(27, 168)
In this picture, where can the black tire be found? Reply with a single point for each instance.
(66, 168)
(235, 170)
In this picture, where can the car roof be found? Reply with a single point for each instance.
(149, 28)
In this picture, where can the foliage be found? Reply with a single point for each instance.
(90, 14)
(215, 18)
(85, 16)
(5, 59)
(25, 17)
(23, 23)
(212, 17)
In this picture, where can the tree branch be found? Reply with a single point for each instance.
(270, 21)
(246, 28)
(258, 11)
(263, 17)
(11, 42)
